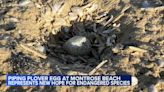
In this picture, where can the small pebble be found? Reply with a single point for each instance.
(160, 63)
(10, 26)
(78, 45)
(24, 2)
(152, 88)
(42, 49)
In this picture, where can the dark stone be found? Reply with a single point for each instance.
(10, 26)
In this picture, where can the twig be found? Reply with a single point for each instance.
(101, 19)
(97, 67)
(34, 52)
(153, 9)
(121, 15)
(110, 20)
(58, 69)
(137, 49)
(83, 59)
(126, 8)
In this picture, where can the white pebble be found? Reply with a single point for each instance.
(24, 2)
(42, 49)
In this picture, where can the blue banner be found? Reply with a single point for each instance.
(68, 80)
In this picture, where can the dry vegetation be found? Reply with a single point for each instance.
(127, 37)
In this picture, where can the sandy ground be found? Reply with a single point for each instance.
(129, 34)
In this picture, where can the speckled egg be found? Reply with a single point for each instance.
(78, 45)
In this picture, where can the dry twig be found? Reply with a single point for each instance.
(122, 14)
(136, 49)
(97, 67)
(33, 51)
